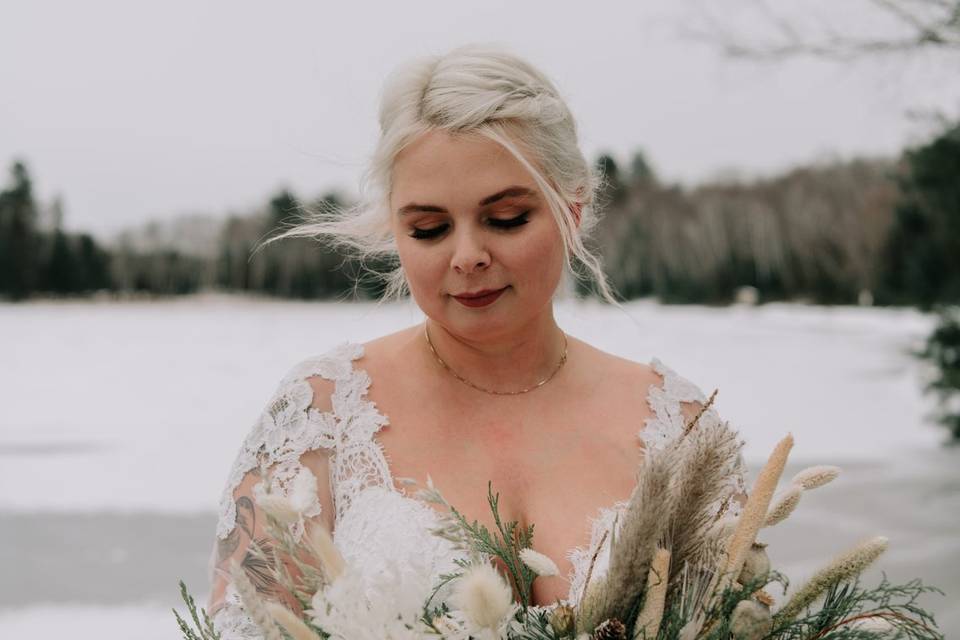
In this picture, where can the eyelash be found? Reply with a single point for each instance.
(497, 223)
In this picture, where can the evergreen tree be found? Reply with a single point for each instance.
(942, 349)
(19, 238)
(921, 261)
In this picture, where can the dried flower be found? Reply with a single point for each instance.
(750, 620)
(755, 564)
(483, 596)
(755, 511)
(287, 508)
(252, 603)
(274, 505)
(611, 629)
(843, 567)
(813, 477)
(648, 622)
(562, 619)
(783, 505)
(540, 564)
(763, 598)
(322, 546)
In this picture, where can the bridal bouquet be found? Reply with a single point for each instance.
(677, 570)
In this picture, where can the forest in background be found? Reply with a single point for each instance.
(863, 231)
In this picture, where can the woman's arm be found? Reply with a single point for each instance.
(250, 529)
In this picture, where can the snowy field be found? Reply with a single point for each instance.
(118, 424)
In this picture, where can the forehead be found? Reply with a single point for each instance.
(454, 170)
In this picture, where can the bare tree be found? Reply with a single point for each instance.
(880, 27)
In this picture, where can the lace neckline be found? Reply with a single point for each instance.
(290, 426)
(596, 524)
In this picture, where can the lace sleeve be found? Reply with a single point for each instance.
(674, 404)
(287, 428)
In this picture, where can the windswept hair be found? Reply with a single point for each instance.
(476, 90)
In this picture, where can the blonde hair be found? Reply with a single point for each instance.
(479, 90)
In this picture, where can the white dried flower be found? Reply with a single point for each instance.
(275, 505)
(783, 505)
(813, 477)
(539, 563)
(483, 596)
(750, 620)
(290, 506)
(303, 491)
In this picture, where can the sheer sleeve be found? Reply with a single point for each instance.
(293, 432)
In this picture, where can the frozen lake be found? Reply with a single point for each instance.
(119, 421)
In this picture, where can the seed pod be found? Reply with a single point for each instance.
(562, 620)
(755, 564)
(750, 621)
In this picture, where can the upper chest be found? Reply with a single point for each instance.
(555, 464)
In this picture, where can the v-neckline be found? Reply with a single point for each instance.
(601, 513)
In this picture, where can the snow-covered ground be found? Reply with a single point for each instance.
(138, 408)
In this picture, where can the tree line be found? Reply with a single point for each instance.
(874, 231)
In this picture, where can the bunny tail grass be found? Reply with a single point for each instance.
(648, 622)
(755, 511)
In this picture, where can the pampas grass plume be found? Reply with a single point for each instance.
(844, 567)
(783, 505)
(813, 477)
(295, 627)
(483, 596)
(539, 563)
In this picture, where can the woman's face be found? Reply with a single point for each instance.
(477, 241)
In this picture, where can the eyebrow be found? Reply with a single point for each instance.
(509, 192)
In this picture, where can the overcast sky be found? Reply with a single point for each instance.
(136, 110)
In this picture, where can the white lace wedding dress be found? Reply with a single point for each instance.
(380, 530)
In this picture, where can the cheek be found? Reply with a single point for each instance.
(540, 259)
(423, 269)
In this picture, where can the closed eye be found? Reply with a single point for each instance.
(509, 223)
(427, 234)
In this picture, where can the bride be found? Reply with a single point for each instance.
(479, 189)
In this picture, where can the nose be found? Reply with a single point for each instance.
(469, 253)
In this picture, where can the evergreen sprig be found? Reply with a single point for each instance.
(845, 603)
(205, 630)
(504, 544)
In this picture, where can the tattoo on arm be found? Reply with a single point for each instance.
(258, 563)
(246, 515)
(228, 545)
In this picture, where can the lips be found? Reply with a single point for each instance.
(480, 298)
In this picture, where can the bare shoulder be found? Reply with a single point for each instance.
(379, 355)
(617, 374)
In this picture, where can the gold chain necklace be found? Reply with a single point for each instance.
(563, 360)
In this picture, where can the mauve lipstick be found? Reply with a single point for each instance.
(481, 298)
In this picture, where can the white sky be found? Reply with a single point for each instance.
(135, 110)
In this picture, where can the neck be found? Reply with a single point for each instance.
(505, 363)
